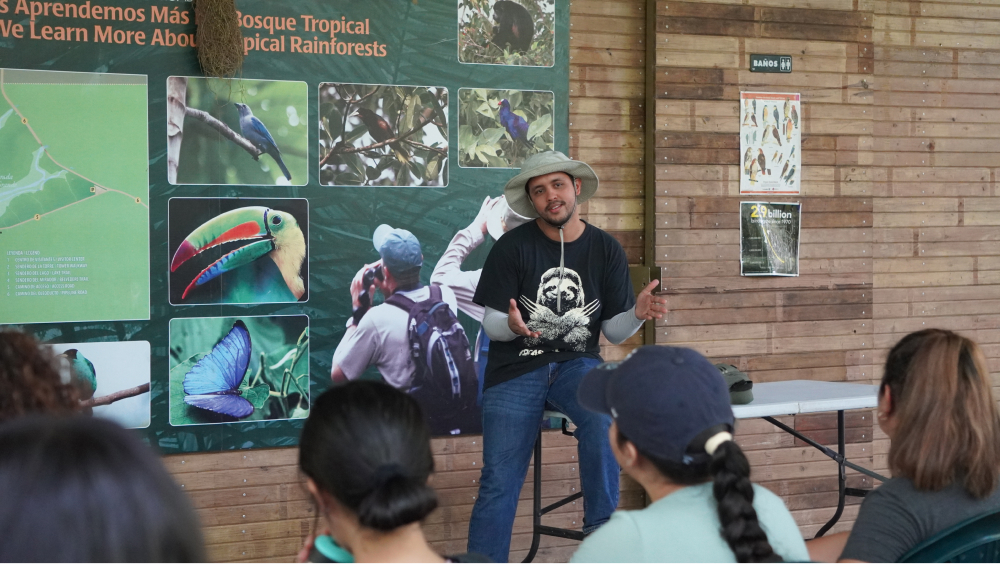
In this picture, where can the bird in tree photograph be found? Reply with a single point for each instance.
(507, 32)
(500, 128)
(515, 125)
(237, 132)
(383, 135)
(381, 131)
(255, 132)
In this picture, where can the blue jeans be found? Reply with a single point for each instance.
(512, 412)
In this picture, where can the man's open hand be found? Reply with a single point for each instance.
(649, 306)
(516, 323)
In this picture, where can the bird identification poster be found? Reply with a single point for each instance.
(769, 238)
(770, 143)
(228, 223)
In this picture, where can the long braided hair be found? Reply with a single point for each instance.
(729, 470)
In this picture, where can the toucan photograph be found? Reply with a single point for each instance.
(501, 128)
(507, 32)
(237, 131)
(238, 250)
(383, 135)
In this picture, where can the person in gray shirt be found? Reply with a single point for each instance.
(937, 407)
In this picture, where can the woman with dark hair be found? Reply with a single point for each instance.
(79, 489)
(365, 451)
(672, 432)
(29, 379)
(937, 407)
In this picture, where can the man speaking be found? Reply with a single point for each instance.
(549, 287)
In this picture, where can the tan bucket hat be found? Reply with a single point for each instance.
(547, 163)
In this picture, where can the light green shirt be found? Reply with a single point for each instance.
(684, 527)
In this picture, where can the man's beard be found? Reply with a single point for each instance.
(559, 224)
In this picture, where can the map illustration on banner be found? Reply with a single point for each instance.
(74, 197)
(770, 143)
(769, 238)
(382, 135)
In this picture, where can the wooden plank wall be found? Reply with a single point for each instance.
(935, 141)
(253, 505)
(819, 325)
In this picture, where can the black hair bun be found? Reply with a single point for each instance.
(396, 501)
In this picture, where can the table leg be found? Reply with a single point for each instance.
(842, 464)
(842, 476)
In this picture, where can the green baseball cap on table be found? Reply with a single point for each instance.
(546, 163)
(739, 384)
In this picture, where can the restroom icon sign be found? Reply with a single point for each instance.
(770, 63)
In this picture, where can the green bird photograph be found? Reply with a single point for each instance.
(83, 376)
(111, 379)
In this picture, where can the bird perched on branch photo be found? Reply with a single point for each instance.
(83, 376)
(381, 131)
(515, 125)
(255, 132)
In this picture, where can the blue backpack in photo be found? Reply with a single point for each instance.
(444, 369)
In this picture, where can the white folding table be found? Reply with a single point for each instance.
(792, 397)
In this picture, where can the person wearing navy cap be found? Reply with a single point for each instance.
(671, 431)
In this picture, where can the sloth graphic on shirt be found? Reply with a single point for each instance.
(560, 311)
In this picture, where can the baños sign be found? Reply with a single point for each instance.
(770, 63)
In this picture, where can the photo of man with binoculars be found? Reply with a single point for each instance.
(413, 338)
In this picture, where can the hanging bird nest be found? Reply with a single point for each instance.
(220, 41)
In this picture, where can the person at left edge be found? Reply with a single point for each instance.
(550, 288)
(378, 337)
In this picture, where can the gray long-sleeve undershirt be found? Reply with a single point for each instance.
(616, 329)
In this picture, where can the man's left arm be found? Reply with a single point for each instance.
(627, 315)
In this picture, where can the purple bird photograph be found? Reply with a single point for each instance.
(237, 132)
(238, 369)
(379, 135)
(515, 125)
(500, 128)
(506, 32)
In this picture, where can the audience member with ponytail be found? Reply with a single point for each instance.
(936, 405)
(365, 451)
(672, 432)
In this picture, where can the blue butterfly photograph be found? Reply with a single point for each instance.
(230, 369)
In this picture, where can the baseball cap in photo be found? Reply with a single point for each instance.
(661, 398)
(399, 249)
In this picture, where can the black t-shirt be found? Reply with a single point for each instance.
(524, 265)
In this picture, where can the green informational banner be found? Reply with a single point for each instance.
(141, 202)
